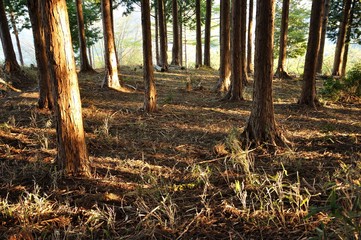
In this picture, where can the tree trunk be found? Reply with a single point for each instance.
(72, 151)
(163, 39)
(176, 40)
(111, 79)
(323, 37)
(250, 38)
(84, 63)
(341, 39)
(150, 94)
(198, 35)
(308, 95)
(281, 72)
(261, 126)
(16, 34)
(207, 34)
(90, 56)
(156, 19)
(180, 38)
(46, 99)
(225, 48)
(348, 39)
(243, 42)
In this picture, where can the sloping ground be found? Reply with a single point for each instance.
(179, 173)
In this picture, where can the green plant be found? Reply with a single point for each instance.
(332, 88)
(353, 80)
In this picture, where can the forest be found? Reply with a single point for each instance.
(242, 120)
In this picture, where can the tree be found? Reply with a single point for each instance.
(176, 37)
(198, 35)
(281, 72)
(225, 48)
(323, 36)
(46, 99)
(84, 63)
(111, 79)
(150, 95)
(250, 37)
(207, 35)
(162, 36)
(308, 95)
(341, 40)
(72, 154)
(261, 127)
(243, 42)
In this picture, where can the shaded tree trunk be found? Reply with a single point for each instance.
(163, 61)
(111, 79)
(207, 34)
(157, 57)
(46, 99)
(198, 35)
(243, 42)
(341, 39)
(250, 38)
(225, 48)
(90, 56)
(281, 72)
(150, 94)
(308, 95)
(72, 152)
(16, 34)
(176, 38)
(261, 126)
(348, 39)
(180, 38)
(323, 37)
(84, 63)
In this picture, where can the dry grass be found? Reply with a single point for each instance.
(180, 173)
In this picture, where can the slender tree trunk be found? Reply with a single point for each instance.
(150, 94)
(156, 32)
(341, 39)
(176, 40)
(84, 63)
(90, 55)
(261, 126)
(250, 38)
(198, 35)
(243, 42)
(281, 72)
(348, 39)
(180, 38)
(225, 48)
(111, 79)
(16, 34)
(163, 38)
(72, 151)
(308, 95)
(207, 34)
(46, 99)
(323, 37)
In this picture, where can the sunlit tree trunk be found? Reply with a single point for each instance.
(157, 57)
(150, 94)
(198, 35)
(162, 36)
(176, 40)
(341, 39)
(261, 126)
(250, 37)
(180, 37)
(308, 95)
(45, 88)
(323, 37)
(281, 71)
(225, 48)
(16, 34)
(207, 34)
(348, 39)
(84, 63)
(72, 152)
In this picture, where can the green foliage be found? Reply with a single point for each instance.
(353, 80)
(17, 10)
(297, 28)
(332, 88)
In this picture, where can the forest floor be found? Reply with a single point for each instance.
(180, 173)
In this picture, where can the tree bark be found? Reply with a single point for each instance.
(250, 38)
(281, 72)
(180, 37)
(341, 39)
(348, 39)
(156, 19)
(176, 39)
(323, 37)
(198, 35)
(163, 39)
(84, 63)
(16, 34)
(243, 42)
(150, 94)
(46, 99)
(261, 127)
(72, 152)
(225, 48)
(207, 34)
(111, 79)
(308, 95)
